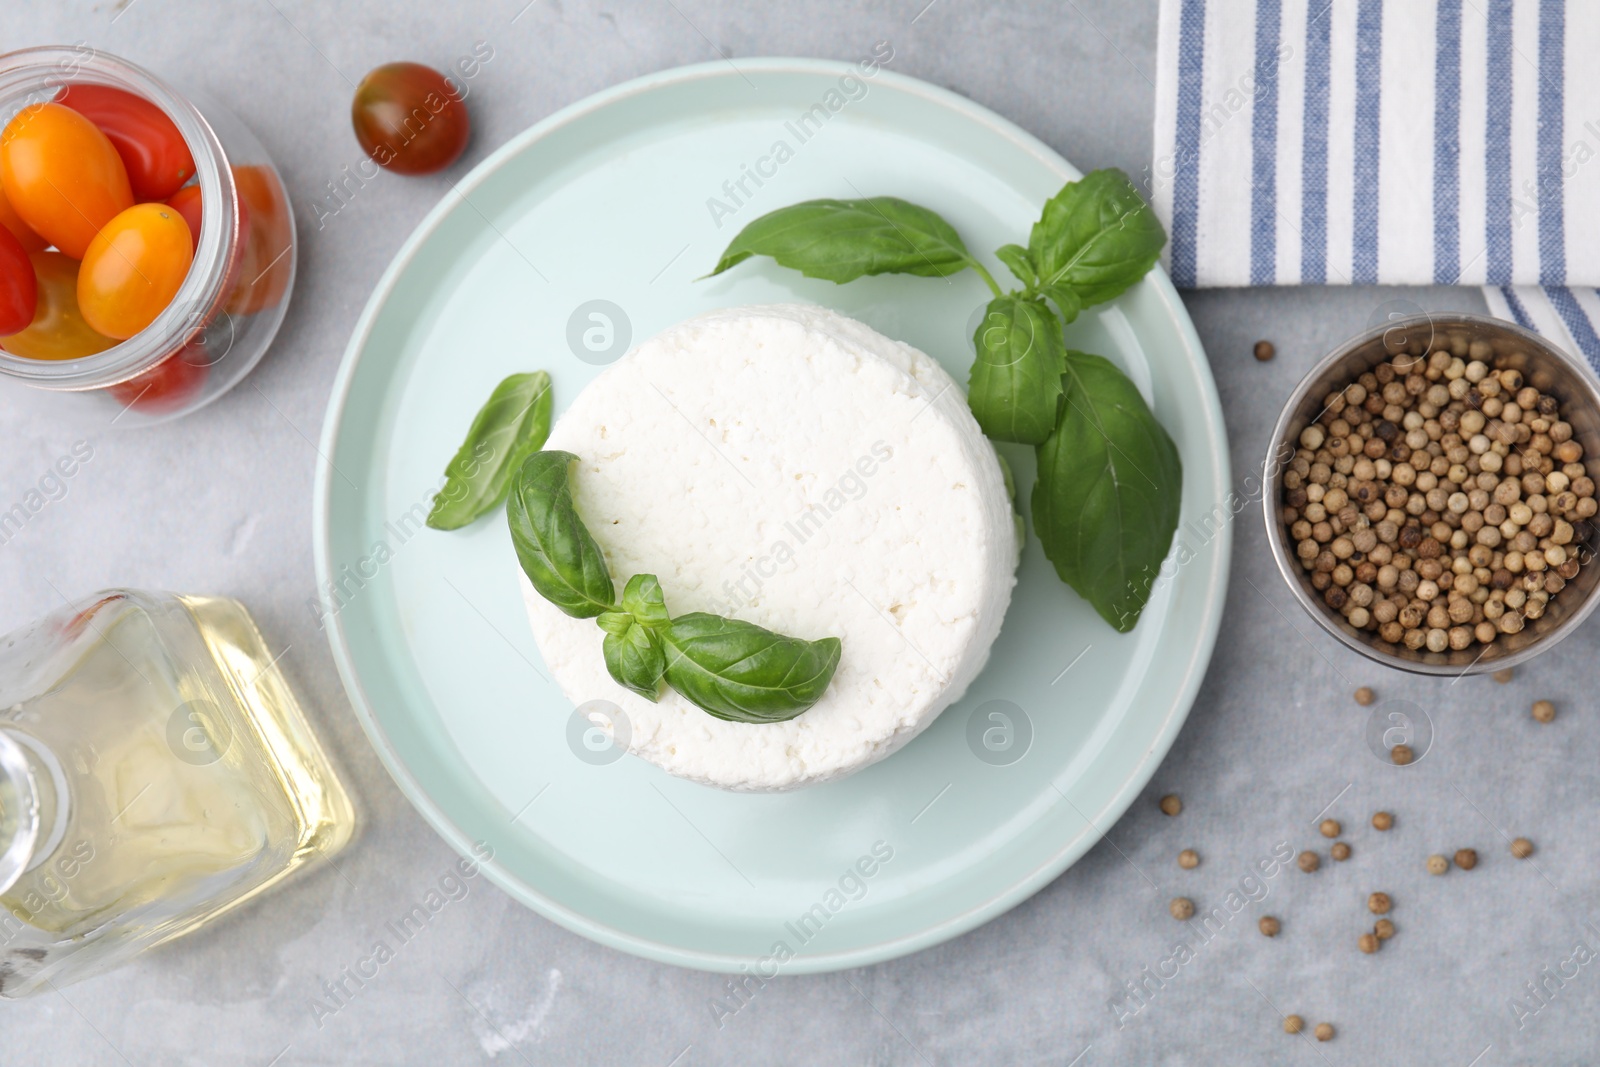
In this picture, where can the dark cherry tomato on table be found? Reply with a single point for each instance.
(167, 386)
(133, 269)
(58, 330)
(19, 289)
(155, 154)
(266, 265)
(62, 175)
(409, 119)
(10, 220)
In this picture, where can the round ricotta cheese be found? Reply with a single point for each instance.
(790, 467)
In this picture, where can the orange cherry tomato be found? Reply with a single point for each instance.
(19, 289)
(167, 386)
(266, 264)
(10, 220)
(133, 268)
(409, 119)
(153, 151)
(186, 202)
(58, 330)
(62, 175)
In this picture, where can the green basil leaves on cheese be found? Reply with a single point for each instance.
(1105, 503)
(511, 426)
(743, 673)
(644, 600)
(633, 655)
(730, 669)
(632, 650)
(556, 551)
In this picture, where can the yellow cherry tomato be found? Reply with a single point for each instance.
(62, 175)
(58, 330)
(133, 268)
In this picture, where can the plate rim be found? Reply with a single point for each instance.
(1071, 850)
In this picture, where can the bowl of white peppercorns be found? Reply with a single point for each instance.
(1431, 496)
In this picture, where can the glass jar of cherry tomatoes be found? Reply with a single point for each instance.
(147, 248)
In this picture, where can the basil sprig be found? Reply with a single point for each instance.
(1105, 503)
(512, 425)
(730, 669)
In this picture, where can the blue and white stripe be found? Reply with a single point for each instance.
(1390, 142)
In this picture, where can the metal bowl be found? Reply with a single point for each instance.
(1546, 368)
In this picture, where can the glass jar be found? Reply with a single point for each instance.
(230, 305)
(155, 771)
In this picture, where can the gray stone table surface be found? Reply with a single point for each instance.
(221, 503)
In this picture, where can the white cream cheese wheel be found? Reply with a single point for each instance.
(790, 467)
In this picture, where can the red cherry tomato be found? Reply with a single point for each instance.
(62, 175)
(19, 289)
(186, 202)
(167, 386)
(264, 220)
(58, 330)
(409, 119)
(10, 220)
(153, 151)
(133, 269)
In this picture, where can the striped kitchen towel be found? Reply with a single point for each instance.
(1398, 142)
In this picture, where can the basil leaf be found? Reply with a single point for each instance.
(1015, 385)
(632, 649)
(555, 549)
(614, 622)
(1066, 300)
(841, 240)
(635, 657)
(1097, 236)
(1018, 262)
(644, 600)
(742, 673)
(1105, 503)
(510, 427)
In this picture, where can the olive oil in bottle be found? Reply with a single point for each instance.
(155, 771)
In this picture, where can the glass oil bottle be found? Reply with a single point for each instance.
(155, 772)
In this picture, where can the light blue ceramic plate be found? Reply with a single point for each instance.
(608, 200)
